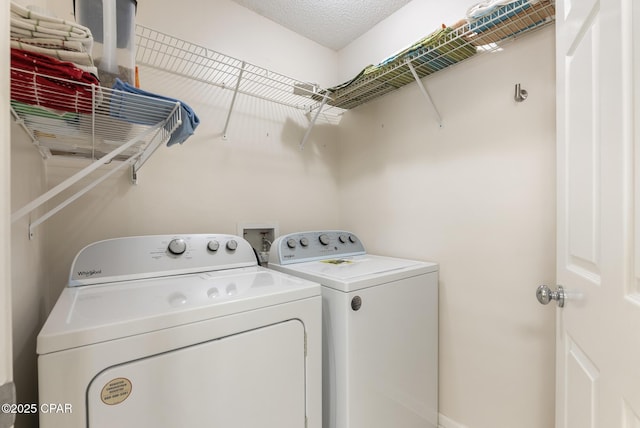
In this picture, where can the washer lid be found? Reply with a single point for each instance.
(87, 315)
(354, 273)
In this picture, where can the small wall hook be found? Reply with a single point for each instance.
(521, 94)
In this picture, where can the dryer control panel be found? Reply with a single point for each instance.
(138, 257)
(316, 245)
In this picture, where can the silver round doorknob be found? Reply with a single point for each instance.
(546, 295)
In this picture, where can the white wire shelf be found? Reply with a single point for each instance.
(171, 54)
(446, 48)
(434, 53)
(72, 118)
(91, 122)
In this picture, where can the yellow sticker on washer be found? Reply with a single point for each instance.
(337, 261)
(116, 391)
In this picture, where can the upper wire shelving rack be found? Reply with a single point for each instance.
(443, 49)
(171, 54)
(486, 34)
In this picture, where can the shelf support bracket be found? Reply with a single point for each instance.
(233, 101)
(77, 195)
(313, 121)
(78, 176)
(162, 136)
(44, 151)
(424, 91)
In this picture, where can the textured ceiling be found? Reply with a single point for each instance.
(331, 23)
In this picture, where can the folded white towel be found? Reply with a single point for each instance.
(68, 45)
(47, 35)
(486, 7)
(27, 23)
(29, 14)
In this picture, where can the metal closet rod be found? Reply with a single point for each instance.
(76, 178)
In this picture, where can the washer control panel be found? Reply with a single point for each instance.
(316, 245)
(138, 257)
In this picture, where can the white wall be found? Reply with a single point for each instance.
(478, 197)
(28, 271)
(233, 30)
(6, 369)
(236, 31)
(29, 279)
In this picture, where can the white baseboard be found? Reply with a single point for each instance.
(445, 422)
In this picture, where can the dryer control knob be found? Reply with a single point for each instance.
(352, 239)
(177, 246)
(213, 245)
(343, 239)
(291, 243)
(232, 245)
(324, 239)
(304, 242)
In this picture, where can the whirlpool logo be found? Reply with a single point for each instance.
(89, 273)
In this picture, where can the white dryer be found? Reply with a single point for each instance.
(380, 330)
(180, 331)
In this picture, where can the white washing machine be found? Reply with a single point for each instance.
(380, 330)
(180, 331)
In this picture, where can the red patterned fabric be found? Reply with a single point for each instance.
(45, 81)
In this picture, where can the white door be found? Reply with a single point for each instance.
(6, 358)
(598, 263)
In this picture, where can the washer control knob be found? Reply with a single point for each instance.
(232, 245)
(304, 242)
(291, 243)
(177, 246)
(343, 239)
(213, 246)
(324, 239)
(352, 239)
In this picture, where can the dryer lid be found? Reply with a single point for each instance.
(87, 315)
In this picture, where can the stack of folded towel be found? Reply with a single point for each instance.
(52, 69)
(491, 21)
(46, 35)
(47, 82)
(51, 62)
(485, 7)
